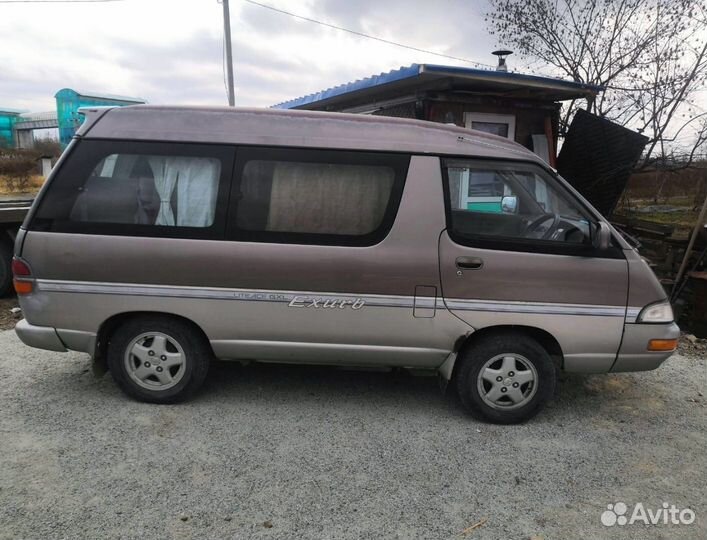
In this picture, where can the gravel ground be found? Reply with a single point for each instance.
(302, 452)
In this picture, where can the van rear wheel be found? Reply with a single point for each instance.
(505, 378)
(158, 359)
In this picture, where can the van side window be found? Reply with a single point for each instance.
(512, 202)
(136, 188)
(167, 191)
(310, 196)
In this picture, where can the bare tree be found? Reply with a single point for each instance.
(649, 55)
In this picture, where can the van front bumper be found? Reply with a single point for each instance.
(634, 354)
(39, 337)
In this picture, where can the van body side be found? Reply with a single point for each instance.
(305, 237)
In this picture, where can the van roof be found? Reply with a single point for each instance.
(294, 128)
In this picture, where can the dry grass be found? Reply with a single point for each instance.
(682, 219)
(684, 190)
(35, 182)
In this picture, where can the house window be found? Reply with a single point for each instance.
(503, 125)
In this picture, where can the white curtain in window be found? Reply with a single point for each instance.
(196, 181)
(196, 192)
(328, 199)
(165, 171)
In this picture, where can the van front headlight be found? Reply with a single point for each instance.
(660, 312)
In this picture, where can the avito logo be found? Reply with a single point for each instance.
(669, 514)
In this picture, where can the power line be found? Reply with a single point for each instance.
(361, 34)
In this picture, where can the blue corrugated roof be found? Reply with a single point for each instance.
(360, 84)
(416, 70)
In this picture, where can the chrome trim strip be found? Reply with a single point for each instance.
(535, 307)
(371, 300)
(214, 293)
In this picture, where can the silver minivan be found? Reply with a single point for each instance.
(168, 236)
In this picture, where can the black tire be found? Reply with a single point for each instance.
(533, 394)
(5, 269)
(127, 369)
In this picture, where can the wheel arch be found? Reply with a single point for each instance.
(111, 324)
(543, 337)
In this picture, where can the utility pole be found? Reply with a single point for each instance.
(229, 56)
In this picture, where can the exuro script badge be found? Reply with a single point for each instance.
(326, 303)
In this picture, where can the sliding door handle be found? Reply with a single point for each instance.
(469, 263)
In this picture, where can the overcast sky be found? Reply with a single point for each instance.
(171, 51)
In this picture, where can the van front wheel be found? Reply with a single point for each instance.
(158, 360)
(505, 378)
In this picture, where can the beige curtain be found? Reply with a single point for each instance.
(328, 198)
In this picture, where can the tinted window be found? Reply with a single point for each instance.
(167, 191)
(309, 196)
(512, 202)
(139, 188)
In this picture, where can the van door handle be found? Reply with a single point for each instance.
(469, 263)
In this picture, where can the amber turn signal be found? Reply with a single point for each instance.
(664, 345)
(22, 286)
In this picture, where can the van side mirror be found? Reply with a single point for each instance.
(603, 238)
(509, 204)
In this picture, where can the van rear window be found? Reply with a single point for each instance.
(166, 191)
(146, 189)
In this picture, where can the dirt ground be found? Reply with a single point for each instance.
(7, 319)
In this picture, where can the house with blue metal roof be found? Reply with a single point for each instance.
(524, 108)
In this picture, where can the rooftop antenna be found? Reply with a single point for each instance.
(502, 53)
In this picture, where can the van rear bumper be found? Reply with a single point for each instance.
(634, 356)
(39, 337)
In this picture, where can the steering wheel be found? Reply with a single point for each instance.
(535, 224)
